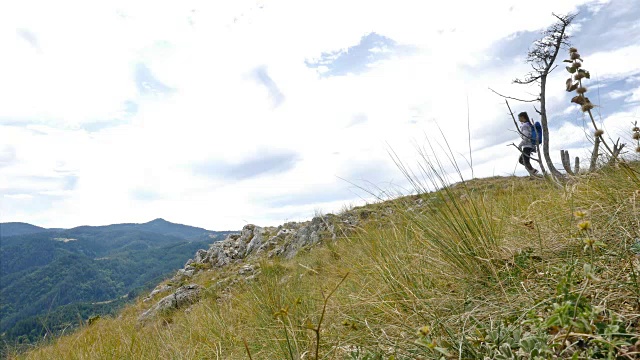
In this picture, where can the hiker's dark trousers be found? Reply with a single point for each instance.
(525, 158)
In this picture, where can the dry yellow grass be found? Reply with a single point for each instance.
(433, 281)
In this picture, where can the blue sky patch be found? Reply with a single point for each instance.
(267, 162)
(358, 58)
(593, 33)
(69, 182)
(29, 37)
(357, 119)
(141, 194)
(148, 84)
(317, 195)
(129, 108)
(261, 75)
(7, 156)
(614, 26)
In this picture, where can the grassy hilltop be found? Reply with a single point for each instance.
(499, 268)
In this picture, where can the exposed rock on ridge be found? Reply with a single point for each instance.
(257, 242)
(184, 296)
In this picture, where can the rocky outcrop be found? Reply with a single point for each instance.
(184, 296)
(254, 242)
(159, 289)
(285, 240)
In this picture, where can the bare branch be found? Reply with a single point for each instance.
(616, 152)
(565, 19)
(512, 98)
(515, 123)
(561, 38)
(536, 68)
(528, 79)
(522, 152)
(544, 171)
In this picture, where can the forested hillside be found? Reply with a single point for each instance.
(55, 279)
(18, 228)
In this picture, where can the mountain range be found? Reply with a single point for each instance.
(54, 279)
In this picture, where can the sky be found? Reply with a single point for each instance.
(218, 114)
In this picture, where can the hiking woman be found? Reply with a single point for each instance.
(526, 145)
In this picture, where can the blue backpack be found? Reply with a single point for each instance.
(536, 135)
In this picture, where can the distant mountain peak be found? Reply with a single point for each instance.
(159, 221)
(19, 228)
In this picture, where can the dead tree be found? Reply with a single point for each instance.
(617, 149)
(566, 163)
(542, 57)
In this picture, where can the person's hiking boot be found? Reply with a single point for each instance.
(533, 172)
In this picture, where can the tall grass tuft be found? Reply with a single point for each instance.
(460, 227)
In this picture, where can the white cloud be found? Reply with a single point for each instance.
(571, 109)
(18, 196)
(635, 96)
(630, 95)
(596, 6)
(139, 166)
(617, 64)
(616, 94)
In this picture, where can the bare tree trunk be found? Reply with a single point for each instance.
(594, 154)
(542, 168)
(545, 127)
(566, 161)
(617, 148)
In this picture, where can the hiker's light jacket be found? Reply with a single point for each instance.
(527, 134)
